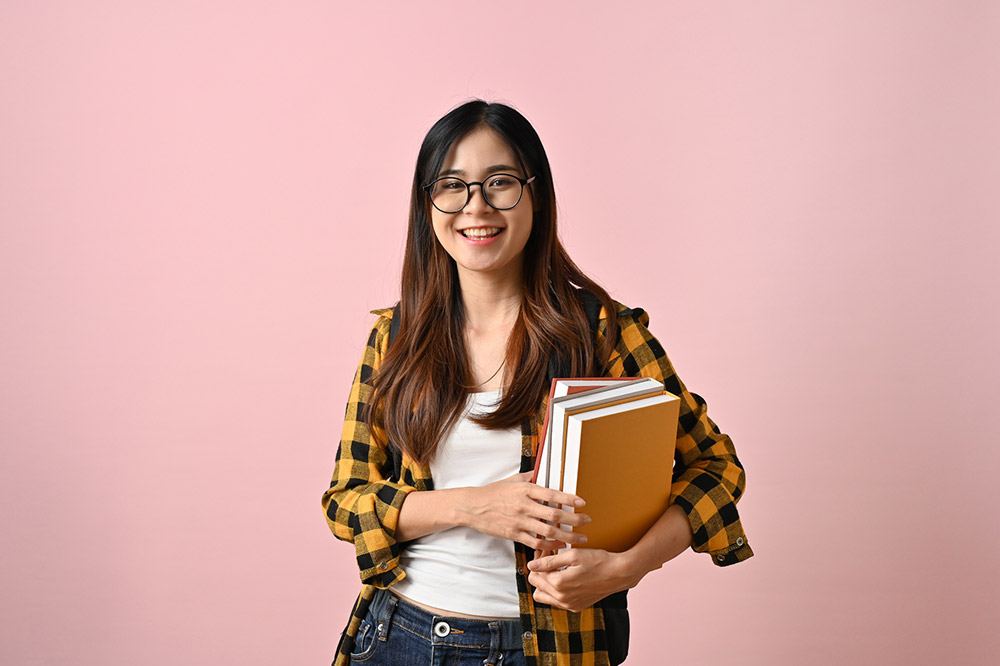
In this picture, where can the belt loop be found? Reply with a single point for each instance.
(385, 619)
(495, 655)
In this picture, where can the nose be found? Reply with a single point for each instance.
(477, 202)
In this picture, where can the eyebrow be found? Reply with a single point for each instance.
(490, 169)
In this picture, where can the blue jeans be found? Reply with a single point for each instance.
(397, 633)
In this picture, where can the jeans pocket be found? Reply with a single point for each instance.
(365, 642)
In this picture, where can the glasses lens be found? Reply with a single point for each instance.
(502, 191)
(449, 194)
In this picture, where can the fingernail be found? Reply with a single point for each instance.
(580, 502)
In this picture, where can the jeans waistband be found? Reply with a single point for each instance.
(498, 634)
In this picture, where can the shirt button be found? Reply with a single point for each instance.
(739, 541)
(527, 636)
(520, 571)
(721, 558)
(526, 453)
(383, 566)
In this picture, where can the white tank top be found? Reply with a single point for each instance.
(459, 569)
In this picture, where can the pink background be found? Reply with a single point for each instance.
(802, 195)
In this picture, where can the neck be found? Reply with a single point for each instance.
(490, 299)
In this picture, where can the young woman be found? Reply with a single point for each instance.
(432, 478)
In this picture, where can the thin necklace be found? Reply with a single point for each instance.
(503, 363)
(487, 381)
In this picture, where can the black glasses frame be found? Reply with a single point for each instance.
(468, 191)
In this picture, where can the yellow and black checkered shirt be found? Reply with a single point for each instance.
(362, 506)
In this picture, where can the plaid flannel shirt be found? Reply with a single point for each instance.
(362, 505)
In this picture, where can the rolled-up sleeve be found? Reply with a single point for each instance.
(362, 506)
(708, 478)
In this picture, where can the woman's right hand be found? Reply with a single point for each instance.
(511, 509)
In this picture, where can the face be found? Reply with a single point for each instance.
(475, 158)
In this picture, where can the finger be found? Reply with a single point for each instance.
(556, 515)
(530, 540)
(554, 532)
(555, 496)
(551, 562)
(543, 553)
(540, 581)
(544, 597)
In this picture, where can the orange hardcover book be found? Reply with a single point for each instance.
(619, 458)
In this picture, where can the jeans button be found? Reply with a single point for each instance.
(442, 629)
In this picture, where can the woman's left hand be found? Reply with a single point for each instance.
(590, 574)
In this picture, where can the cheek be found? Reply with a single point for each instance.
(440, 227)
(524, 227)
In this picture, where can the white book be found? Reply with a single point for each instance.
(552, 461)
(560, 393)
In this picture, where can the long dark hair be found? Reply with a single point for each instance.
(417, 390)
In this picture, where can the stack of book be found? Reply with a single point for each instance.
(611, 441)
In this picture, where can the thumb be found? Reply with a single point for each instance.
(549, 563)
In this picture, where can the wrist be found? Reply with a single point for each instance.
(427, 511)
(665, 540)
(459, 507)
(635, 563)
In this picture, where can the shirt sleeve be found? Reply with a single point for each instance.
(362, 506)
(708, 478)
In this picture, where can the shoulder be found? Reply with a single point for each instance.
(378, 337)
(627, 316)
(633, 337)
(384, 315)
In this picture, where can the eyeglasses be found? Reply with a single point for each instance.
(501, 191)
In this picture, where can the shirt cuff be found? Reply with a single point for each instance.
(737, 552)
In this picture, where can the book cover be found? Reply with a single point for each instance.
(620, 460)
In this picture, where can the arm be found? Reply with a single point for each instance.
(708, 480)
(580, 577)
(509, 509)
(361, 506)
(378, 515)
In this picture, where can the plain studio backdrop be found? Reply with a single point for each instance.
(201, 201)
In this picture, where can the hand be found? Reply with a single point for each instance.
(580, 577)
(511, 509)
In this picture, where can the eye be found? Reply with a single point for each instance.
(501, 182)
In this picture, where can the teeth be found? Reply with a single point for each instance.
(480, 233)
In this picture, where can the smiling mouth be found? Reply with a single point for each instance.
(478, 233)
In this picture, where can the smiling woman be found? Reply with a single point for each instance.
(484, 237)
(432, 479)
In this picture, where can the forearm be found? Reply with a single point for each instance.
(428, 511)
(580, 577)
(669, 536)
(511, 508)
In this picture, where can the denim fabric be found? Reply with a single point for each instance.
(397, 633)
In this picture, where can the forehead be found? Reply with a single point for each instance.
(477, 151)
